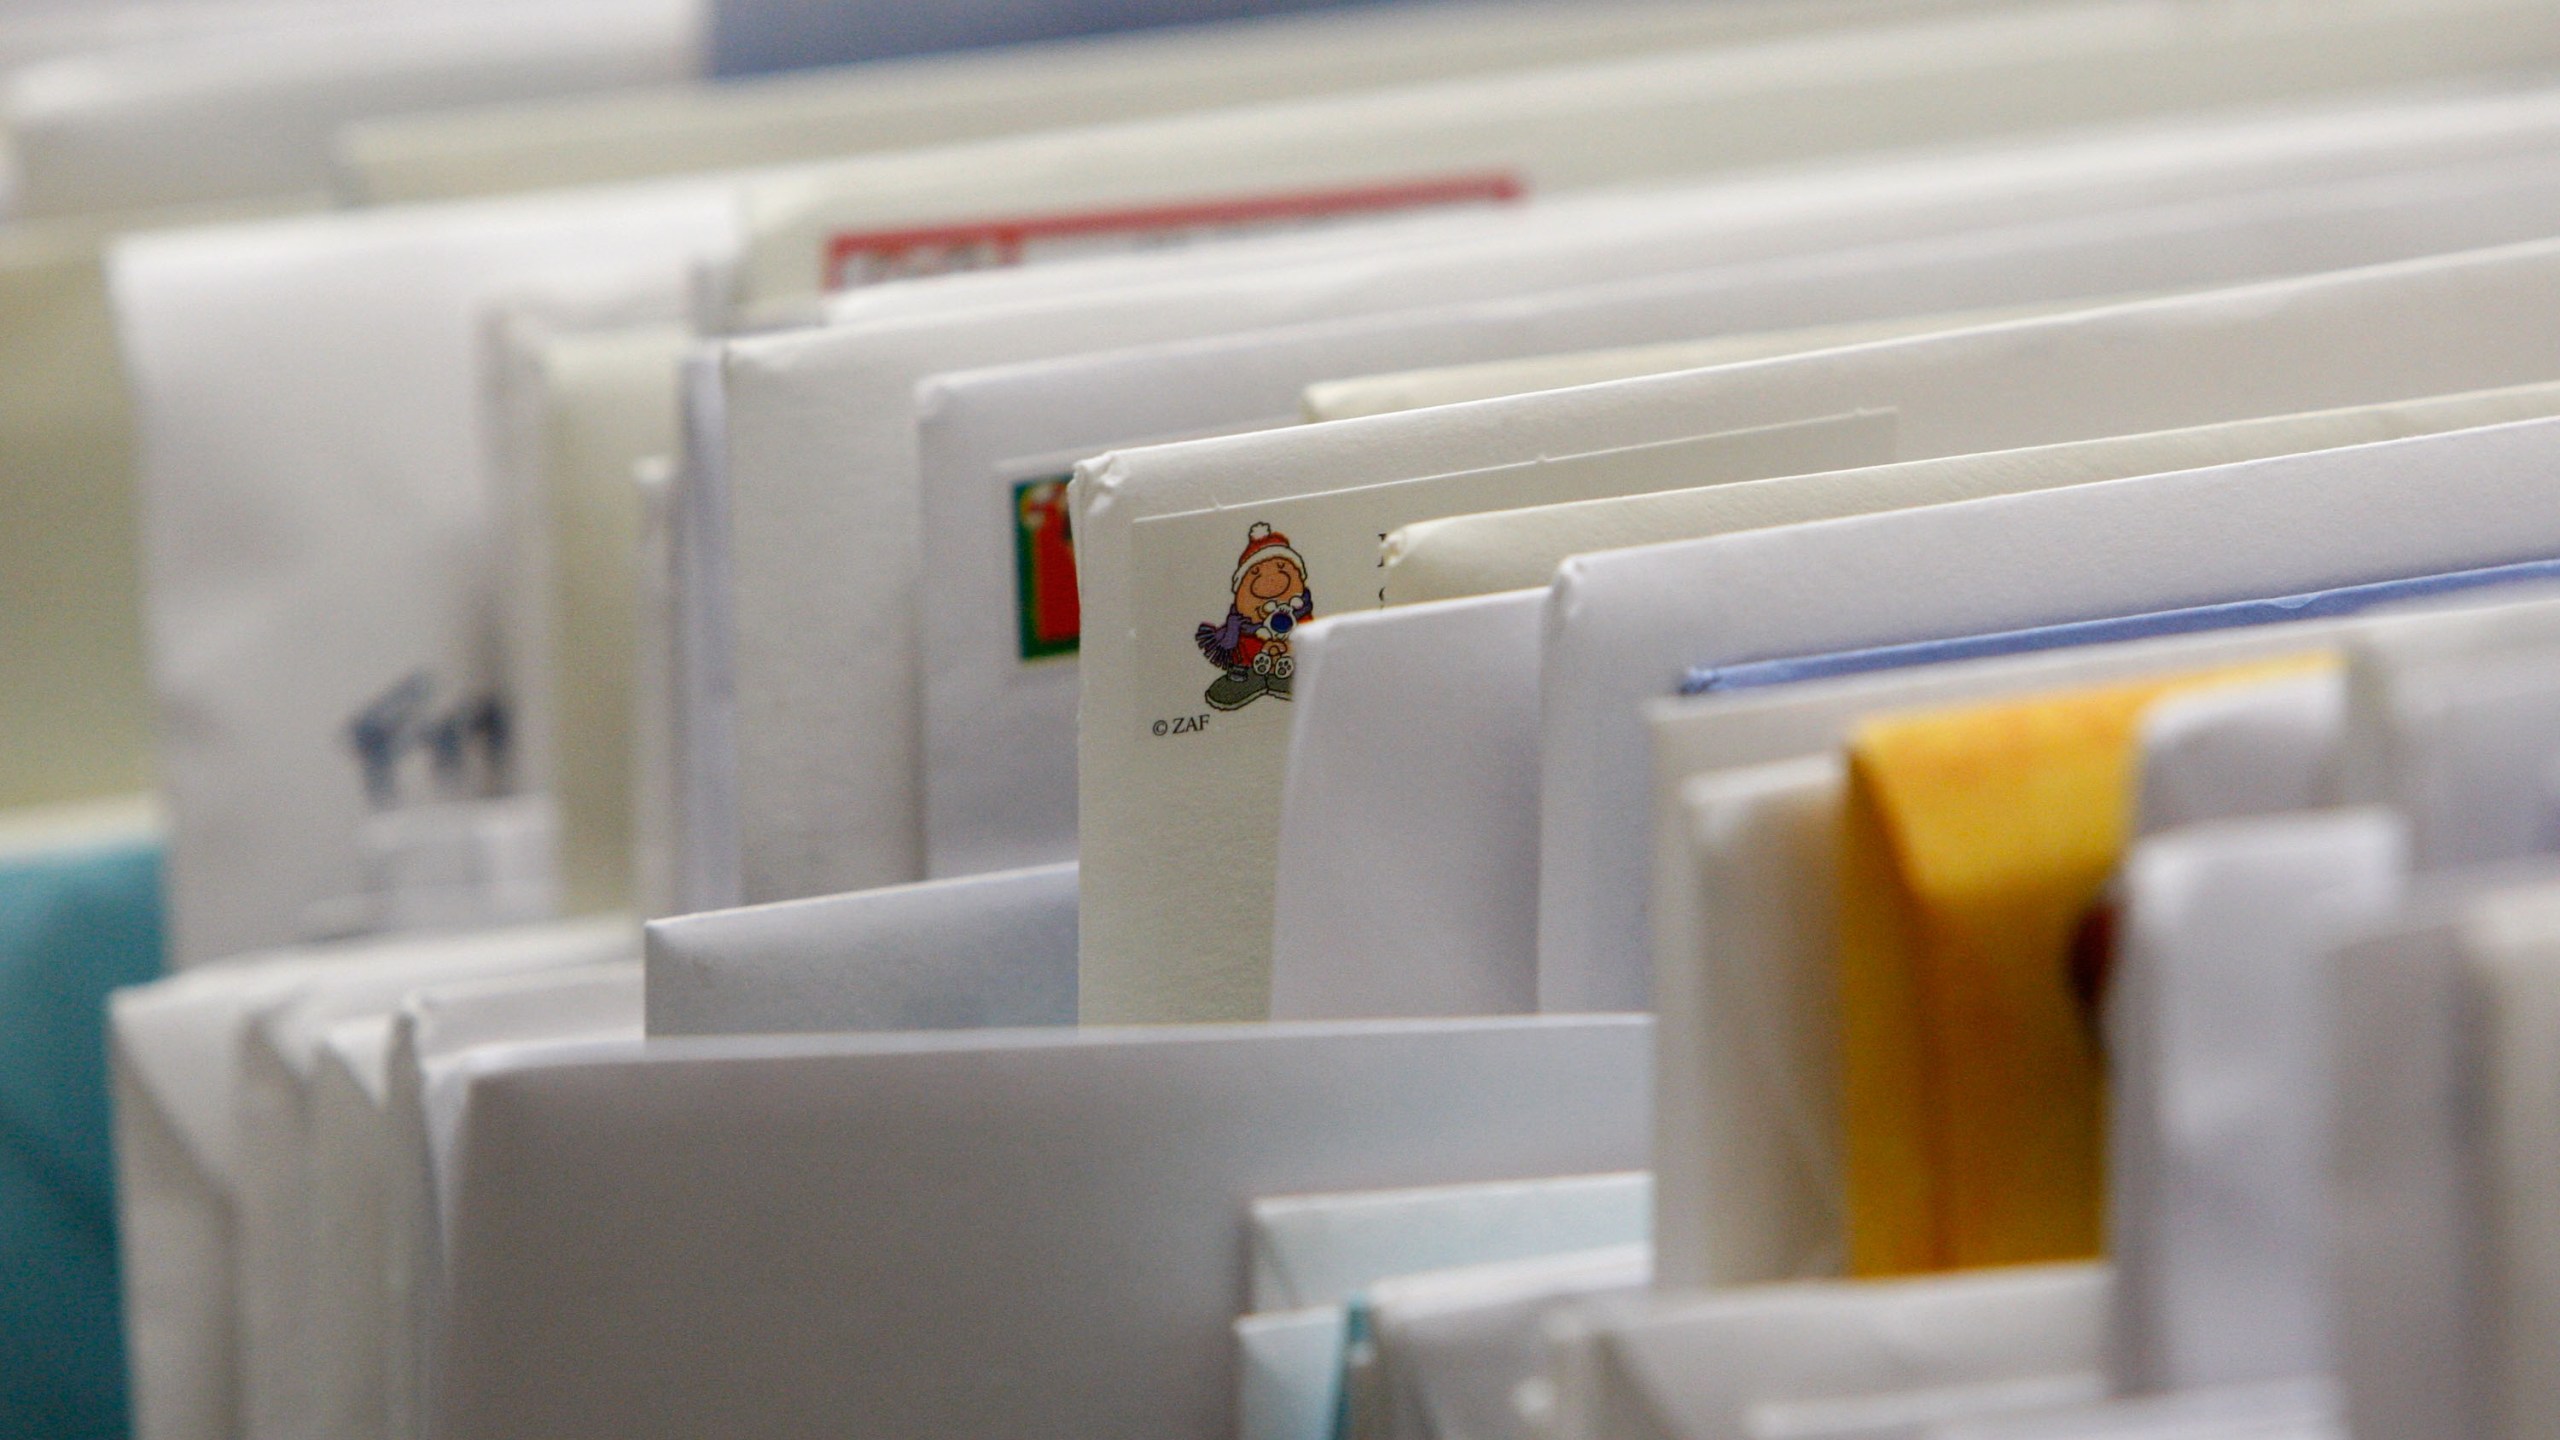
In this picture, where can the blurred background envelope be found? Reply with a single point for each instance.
(1054, 1218)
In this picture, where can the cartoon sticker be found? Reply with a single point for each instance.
(1251, 647)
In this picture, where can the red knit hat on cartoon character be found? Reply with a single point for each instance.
(1262, 543)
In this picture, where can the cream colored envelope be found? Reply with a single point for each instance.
(883, 105)
(250, 112)
(1611, 123)
(588, 405)
(1515, 549)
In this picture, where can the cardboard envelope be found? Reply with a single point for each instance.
(435, 1029)
(823, 114)
(825, 811)
(1725, 1365)
(1088, 1296)
(979, 951)
(2218, 1121)
(251, 111)
(351, 447)
(1606, 123)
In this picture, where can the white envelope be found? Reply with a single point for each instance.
(434, 1033)
(1324, 1249)
(2449, 723)
(309, 383)
(1634, 621)
(2229, 750)
(2218, 1118)
(1513, 549)
(1746, 1087)
(983, 950)
(1618, 122)
(272, 1201)
(881, 105)
(1313, 1254)
(2283, 1411)
(1074, 1267)
(1447, 1350)
(250, 112)
(346, 1262)
(2516, 1286)
(2404, 1190)
(826, 755)
(1741, 1363)
(183, 1164)
(1365, 925)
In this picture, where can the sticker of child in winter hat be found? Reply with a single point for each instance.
(1252, 647)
